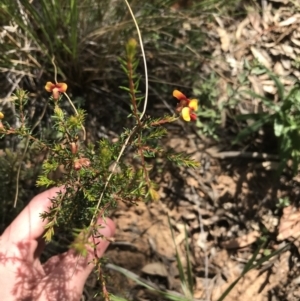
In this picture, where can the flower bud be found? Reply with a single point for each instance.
(74, 148)
(131, 48)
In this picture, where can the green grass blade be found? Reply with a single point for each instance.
(117, 298)
(189, 266)
(278, 84)
(179, 263)
(246, 269)
(171, 295)
(264, 118)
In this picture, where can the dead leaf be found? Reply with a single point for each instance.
(240, 28)
(262, 57)
(255, 20)
(295, 41)
(242, 241)
(279, 70)
(289, 21)
(270, 88)
(286, 64)
(155, 269)
(289, 225)
(202, 240)
(181, 236)
(256, 84)
(280, 270)
(191, 181)
(224, 37)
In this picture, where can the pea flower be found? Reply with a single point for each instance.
(56, 89)
(186, 107)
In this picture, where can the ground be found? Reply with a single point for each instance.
(225, 210)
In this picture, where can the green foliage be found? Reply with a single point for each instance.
(186, 278)
(182, 159)
(283, 116)
(210, 110)
(283, 202)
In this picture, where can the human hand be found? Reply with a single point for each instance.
(62, 277)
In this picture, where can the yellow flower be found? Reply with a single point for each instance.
(187, 113)
(186, 107)
(56, 89)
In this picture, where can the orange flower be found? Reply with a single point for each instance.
(186, 107)
(56, 89)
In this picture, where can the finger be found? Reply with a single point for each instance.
(28, 224)
(75, 269)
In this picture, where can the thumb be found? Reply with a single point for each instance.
(75, 269)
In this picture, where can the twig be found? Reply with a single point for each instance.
(235, 154)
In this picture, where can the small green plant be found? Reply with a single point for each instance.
(213, 111)
(283, 116)
(283, 202)
(210, 115)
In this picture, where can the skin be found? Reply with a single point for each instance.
(62, 277)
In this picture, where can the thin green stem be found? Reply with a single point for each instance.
(76, 112)
(132, 91)
(67, 96)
